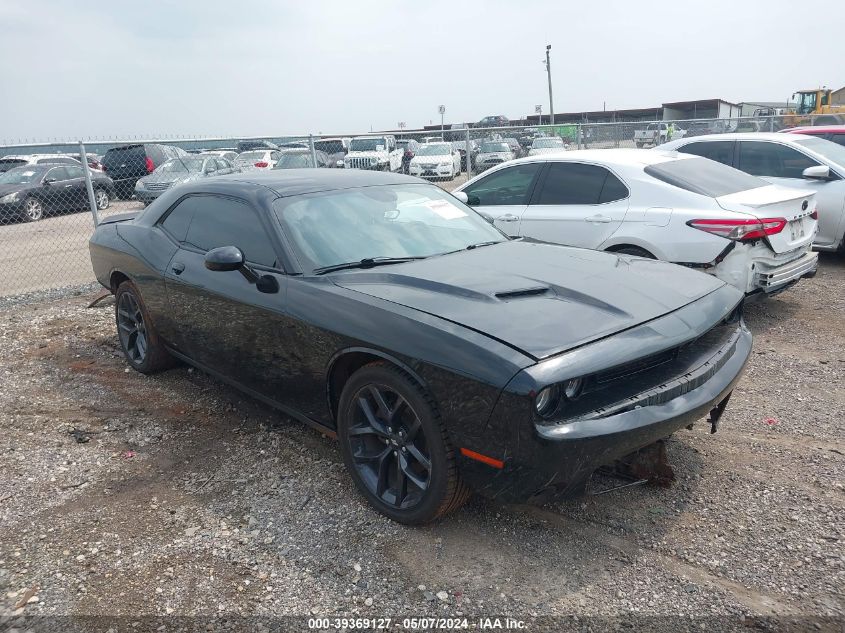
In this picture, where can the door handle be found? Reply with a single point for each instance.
(603, 219)
(508, 217)
(68, 186)
(177, 267)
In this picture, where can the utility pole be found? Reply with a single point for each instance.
(549, 73)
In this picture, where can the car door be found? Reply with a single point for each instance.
(219, 319)
(58, 191)
(78, 190)
(504, 194)
(395, 155)
(783, 165)
(578, 204)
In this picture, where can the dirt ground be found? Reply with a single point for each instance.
(173, 495)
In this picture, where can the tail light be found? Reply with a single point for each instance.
(815, 214)
(262, 164)
(149, 163)
(740, 230)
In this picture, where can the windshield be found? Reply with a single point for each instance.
(367, 144)
(437, 149)
(181, 165)
(490, 148)
(337, 227)
(704, 176)
(547, 142)
(294, 161)
(330, 147)
(833, 152)
(19, 176)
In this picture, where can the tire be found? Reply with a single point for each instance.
(636, 251)
(101, 197)
(139, 341)
(639, 145)
(32, 210)
(395, 446)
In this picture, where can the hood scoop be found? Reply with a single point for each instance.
(524, 292)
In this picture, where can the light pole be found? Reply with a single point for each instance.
(549, 73)
(442, 110)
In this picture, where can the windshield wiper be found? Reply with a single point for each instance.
(480, 244)
(367, 262)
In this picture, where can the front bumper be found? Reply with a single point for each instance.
(438, 171)
(146, 196)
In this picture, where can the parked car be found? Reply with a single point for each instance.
(335, 149)
(127, 163)
(443, 356)
(179, 171)
(749, 126)
(409, 149)
(374, 152)
(257, 159)
(833, 133)
(226, 154)
(660, 205)
(436, 160)
(516, 148)
(253, 144)
(651, 134)
(701, 128)
(460, 146)
(11, 161)
(301, 158)
(547, 145)
(811, 164)
(492, 153)
(29, 193)
(496, 120)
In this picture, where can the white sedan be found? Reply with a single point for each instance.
(803, 162)
(257, 159)
(436, 160)
(547, 145)
(664, 205)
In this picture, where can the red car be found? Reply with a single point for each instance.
(835, 133)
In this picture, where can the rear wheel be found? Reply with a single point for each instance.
(636, 251)
(33, 210)
(395, 447)
(102, 199)
(138, 338)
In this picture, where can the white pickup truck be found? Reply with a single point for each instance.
(373, 152)
(653, 134)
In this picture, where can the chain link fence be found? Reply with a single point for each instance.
(52, 195)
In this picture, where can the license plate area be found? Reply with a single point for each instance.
(797, 230)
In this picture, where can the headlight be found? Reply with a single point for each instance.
(139, 185)
(12, 197)
(572, 388)
(547, 400)
(373, 161)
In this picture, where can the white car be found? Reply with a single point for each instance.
(379, 153)
(491, 153)
(547, 145)
(22, 160)
(227, 154)
(804, 162)
(664, 205)
(436, 160)
(257, 159)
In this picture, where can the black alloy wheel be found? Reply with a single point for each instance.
(395, 447)
(137, 336)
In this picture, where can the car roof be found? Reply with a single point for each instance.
(820, 129)
(34, 156)
(294, 182)
(740, 136)
(622, 156)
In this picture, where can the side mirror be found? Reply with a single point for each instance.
(224, 259)
(819, 172)
(460, 195)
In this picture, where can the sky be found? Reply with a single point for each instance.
(101, 70)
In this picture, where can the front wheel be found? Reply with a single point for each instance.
(395, 446)
(639, 145)
(33, 210)
(636, 251)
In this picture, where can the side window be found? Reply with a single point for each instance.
(57, 173)
(839, 139)
(772, 159)
(219, 221)
(720, 151)
(511, 185)
(573, 183)
(222, 163)
(73, 171)
(178, 219)
(613, 190)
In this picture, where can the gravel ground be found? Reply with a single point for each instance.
(173, 495)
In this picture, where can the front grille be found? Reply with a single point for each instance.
(158, 186)
(428, 165)
(360, 163)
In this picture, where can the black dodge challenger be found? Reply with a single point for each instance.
(444, 356)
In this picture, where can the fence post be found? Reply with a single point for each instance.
(89, 185)
(313, 151)
(468, 154)
(772, 123)
(578, 132)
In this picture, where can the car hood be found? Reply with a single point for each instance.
(437, 158)
(541, 299)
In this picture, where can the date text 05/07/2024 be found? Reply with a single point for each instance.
(416, 623)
